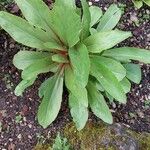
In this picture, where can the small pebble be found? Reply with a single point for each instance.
(30, 125)
(90, 3)
(29, 136)
(10, 139)
(140, 114)
(19, 136)
(24, 119)
(133, 18)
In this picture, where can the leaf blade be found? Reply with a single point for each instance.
(53, 45)
(86, 20)
(147, 2)
(114, 66)
(23, 85)
(138, 4)
(42, 66)
(105, 40)
(22, 31)
(78, 111)
(60, 23)
(133, 72)
(110, 19)
(96, 14)
(68, 3)
(23, 59)
(37, 13)
(108, 81)
(74, 86)
(51, 103)
(78, 100)
(80, 63)
(129, 53)
(126, 85)
(59, 58)
(98, 104)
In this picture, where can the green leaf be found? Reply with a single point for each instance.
(24, 59)
(108, 80)
(129, 53)
(110, 98)
(99, 87)
(60, 58)
(78, 100)
(51, 103)
(133, 72)
(42, 66)
(66, 25)
(78, 11)
(74, 86)
(126, 85)
(38, 14)
(42, 88)
(98, 104)
(80, 63)
(60, 143)
(138, 3)
(147, 2)
(110, 19)
(93, 31)
(96, 14)
(114, 66)
(68, 3)
(96, 83)
(23, 85)
(22, 31)
(53, 46)
(104, 40)
(79, 112)
(86, 20)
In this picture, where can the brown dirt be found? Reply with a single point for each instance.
(23, 133)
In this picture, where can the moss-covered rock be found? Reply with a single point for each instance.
(98, 136)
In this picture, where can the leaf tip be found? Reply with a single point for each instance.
(79, 128)
(110, 121)
(42, 123)
(17, 92)
(124, 101)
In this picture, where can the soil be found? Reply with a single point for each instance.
(18, 124)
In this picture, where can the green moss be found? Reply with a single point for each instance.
(102, 137)
(89, 138)
(42, 147)
(144, 140)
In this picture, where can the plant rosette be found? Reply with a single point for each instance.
(77, 46)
